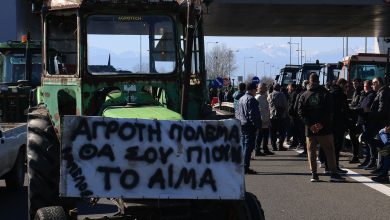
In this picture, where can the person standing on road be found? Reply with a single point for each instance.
(315, 109)
(249, 115)
(340, 118)
(300, 125)
(293, 94)
(278, 108)
(263, 134)
(237, 95)
(352, 119)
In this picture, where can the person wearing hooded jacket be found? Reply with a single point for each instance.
(315, 109)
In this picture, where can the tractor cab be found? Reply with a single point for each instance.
(139, 51)
(17, 79)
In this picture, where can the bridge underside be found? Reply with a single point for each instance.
(237, 19)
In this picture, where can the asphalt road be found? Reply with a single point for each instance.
(283, 187)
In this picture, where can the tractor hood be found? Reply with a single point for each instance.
(142, 112)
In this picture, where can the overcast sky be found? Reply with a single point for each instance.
(276, 51)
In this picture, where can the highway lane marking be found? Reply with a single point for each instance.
(364, 180)
(368, 182)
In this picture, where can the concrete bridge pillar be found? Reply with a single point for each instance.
(382, 44)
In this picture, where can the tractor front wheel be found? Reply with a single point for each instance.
(43, 158)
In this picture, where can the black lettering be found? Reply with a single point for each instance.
(95, 126)
(122, 131)
(189, 153)
(170, 175)
(164, 155)
(179, 129)
(140, 131)
(76, 172)
(189, 133)
(186, 177)
(200, 134)
(112, 127)
(82, 129)
(217, 153)
(154, 131)
(79, 180)
(86, 193)
(82, 186)
(234, 134)
(88, 151)
(207, 152)
(225, 151)
(72, 166)
(129, 174)
(208, 178)
(132, 153)
(222, 131)
(210, 133)
(157, 177)
(106, 151)
(107, 172)
(150, 155)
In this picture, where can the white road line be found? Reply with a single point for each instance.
(364, 180)
(369, 182)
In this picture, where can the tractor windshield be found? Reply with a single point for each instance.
(121, 44)
(367, 71)
(12, 68)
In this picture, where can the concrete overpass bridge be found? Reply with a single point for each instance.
(252, 18)
(298, 18)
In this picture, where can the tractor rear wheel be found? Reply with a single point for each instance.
(43, 153)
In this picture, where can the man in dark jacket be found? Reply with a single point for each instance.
(366, 99)
(300, 125)
(340, 118)
(293, 115)
(249, 115)
(378, 117)
(352, 118)
(278, 108)
(315, 109)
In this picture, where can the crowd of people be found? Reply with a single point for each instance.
(318, 117)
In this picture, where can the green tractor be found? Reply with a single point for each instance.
(114, 70)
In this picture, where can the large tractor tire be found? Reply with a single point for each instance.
(15, 178)
(51, 213)
(254, 211)
(43, 158)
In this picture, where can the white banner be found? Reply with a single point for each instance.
(138, 158)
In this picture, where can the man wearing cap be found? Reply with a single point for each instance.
(249, 115)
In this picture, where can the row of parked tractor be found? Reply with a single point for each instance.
(364, 66)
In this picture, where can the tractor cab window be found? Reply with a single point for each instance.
(61, 46)
(13, 66)
(122, 44)
(367, 71)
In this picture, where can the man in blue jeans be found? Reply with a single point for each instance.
(384, 152)
(249, 115)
